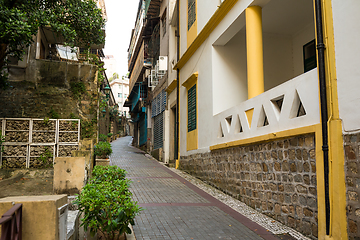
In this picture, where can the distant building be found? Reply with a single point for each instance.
(110, 65)
(120, 89)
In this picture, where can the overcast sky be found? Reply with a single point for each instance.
(121, 20)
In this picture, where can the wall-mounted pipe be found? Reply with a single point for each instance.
(323, 106)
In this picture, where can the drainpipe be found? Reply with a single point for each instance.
(323, 105)
(177, 148)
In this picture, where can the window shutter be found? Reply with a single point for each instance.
(192, 108)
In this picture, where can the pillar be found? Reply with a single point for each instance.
(254, 48)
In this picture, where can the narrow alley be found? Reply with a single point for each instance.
(173, 208)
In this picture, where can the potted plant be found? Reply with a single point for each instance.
(102, 150)
(109, 135)
(106, 203)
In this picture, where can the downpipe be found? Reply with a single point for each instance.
(323, 106)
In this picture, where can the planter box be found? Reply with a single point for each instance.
(102, 162)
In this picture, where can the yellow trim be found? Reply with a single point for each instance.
(191, 80)
(338, 219)
(192, 140)
(171, 86)
(267, 137)
(192, 137)
(249, 114)
(218, 16)
(254, 49)
(192, 32)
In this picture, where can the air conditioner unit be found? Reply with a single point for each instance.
(153, 80)
(162, 62)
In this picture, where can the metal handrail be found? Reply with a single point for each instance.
(11, 223)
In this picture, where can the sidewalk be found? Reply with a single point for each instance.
(175, 208)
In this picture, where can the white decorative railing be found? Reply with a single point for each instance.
(291, 105)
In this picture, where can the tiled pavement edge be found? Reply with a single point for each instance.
(174, 208)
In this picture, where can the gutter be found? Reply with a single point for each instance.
(323, 106)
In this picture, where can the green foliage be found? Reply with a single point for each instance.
(108, 173)
(53, 114)
(4, 84)
(88, 128)
(78, 22)
(113, 112)
(102, 138)
(2, 139)
(78, 89)
(109, 134)
(46, 158)
(46, 121)
(106, 203)
(102, 149)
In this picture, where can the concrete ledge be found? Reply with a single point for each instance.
(40, 215)
(102, 162)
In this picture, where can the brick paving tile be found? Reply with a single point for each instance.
(173, 207)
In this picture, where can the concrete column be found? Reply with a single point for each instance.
(254, 48)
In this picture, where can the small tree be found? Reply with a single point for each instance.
(78, 22)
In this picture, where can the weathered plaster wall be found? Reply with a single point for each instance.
(277, 178)
(52, 87)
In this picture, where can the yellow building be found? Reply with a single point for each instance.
(268, 96)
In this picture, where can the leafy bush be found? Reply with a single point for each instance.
(102, 149)
(2, 139)
(102, 138)
(109, 134)
(108, 173)
(106, 203)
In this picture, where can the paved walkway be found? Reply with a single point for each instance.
(175, 208)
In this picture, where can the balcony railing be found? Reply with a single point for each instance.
(11, 223)
(291, 105)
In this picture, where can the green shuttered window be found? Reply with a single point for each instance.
(191, 13)
(192, 108)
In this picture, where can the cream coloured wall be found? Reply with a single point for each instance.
(299, 40)
(347, 51)
(278, 59)
(229, 74)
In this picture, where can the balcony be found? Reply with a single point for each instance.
(293, 104)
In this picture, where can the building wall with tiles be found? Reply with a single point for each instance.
(352, 173)
(278, 178)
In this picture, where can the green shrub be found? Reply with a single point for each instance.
(110, 134)
(102, 138)
(2, 139)
(106, 203)
(107, 206)
(108, 173)
(102, 149)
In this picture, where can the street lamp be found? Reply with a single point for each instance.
(107, 90)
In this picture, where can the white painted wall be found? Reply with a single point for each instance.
(346, 19)
(278, 59)
(229, 74)
(301, 38)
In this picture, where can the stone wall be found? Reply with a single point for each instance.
(53, 89)
(277, 178)
(352, 173)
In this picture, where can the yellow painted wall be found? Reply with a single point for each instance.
(192, 32)
(192, 137)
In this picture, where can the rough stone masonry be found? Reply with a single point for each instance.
(352, 174)
(277, 178)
